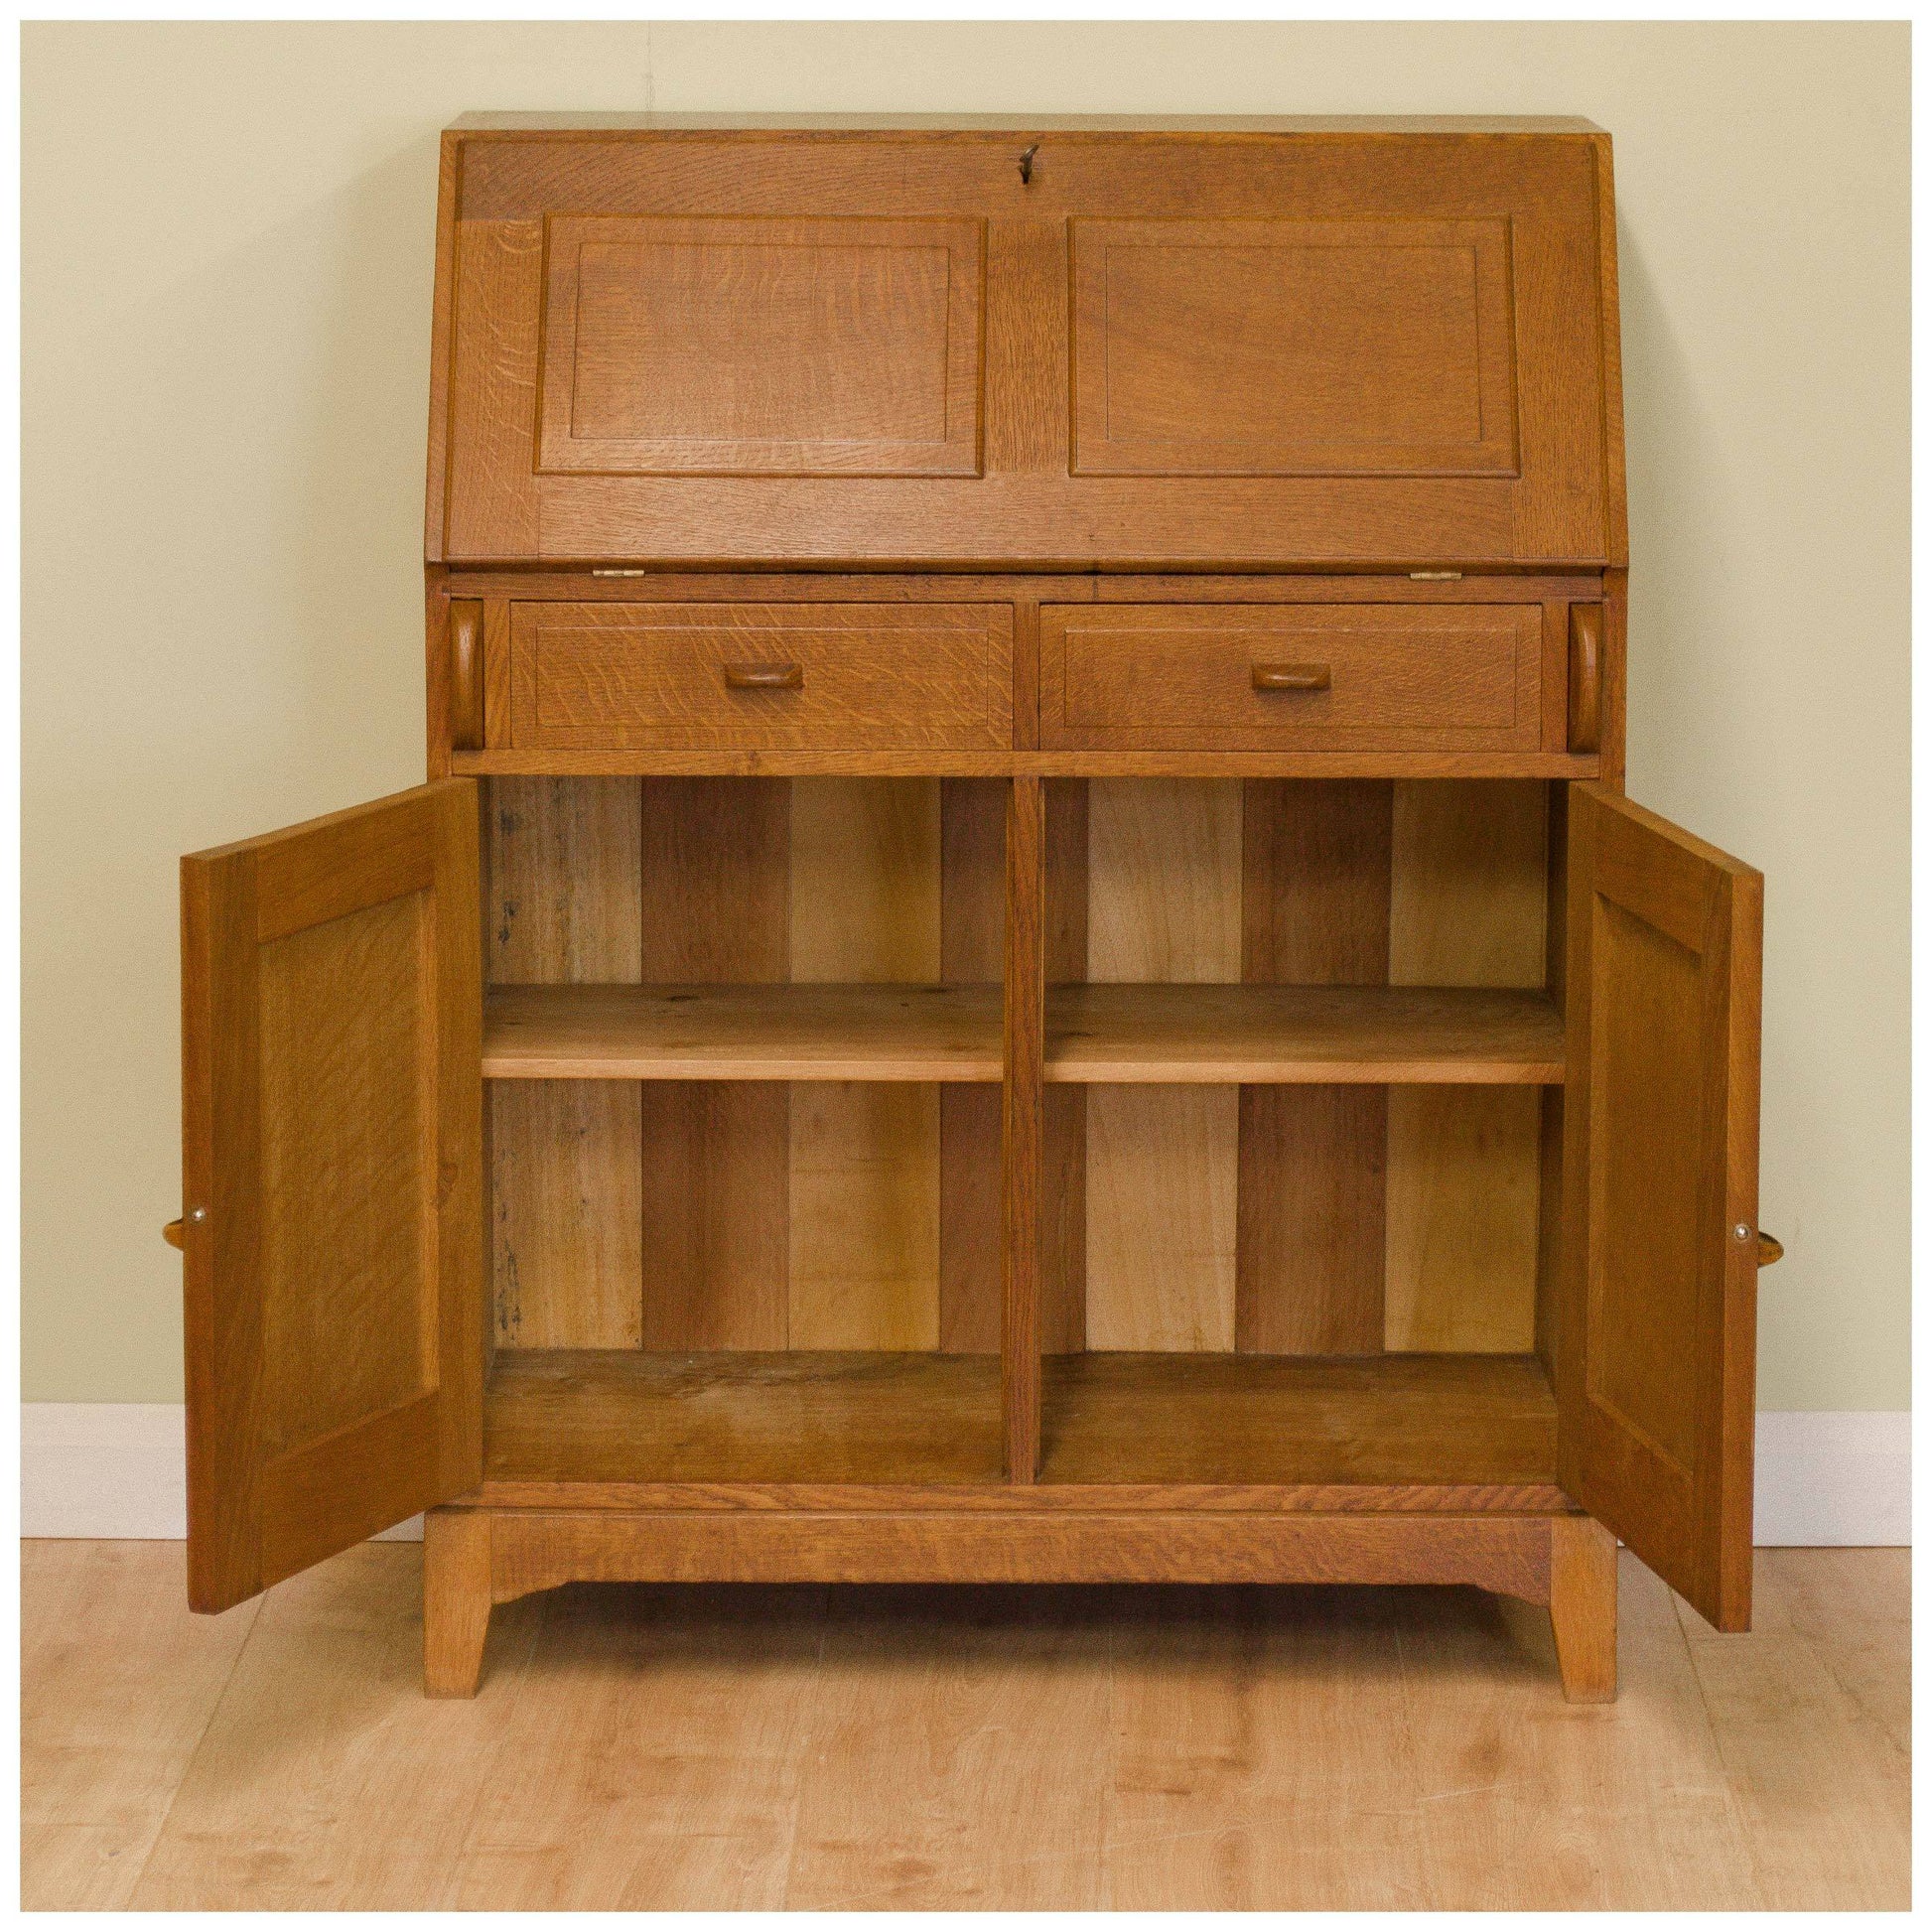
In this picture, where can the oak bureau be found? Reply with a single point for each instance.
(1024, 957)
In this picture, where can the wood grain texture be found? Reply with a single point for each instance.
(332, 1166)
(739, 677)
(539, 1550)
(1197, 1417)
(493, 505)
(564, 865)
(1291, 347)
(456, 1600)
(1063, 1180)
(1161, 1175)
(797, 1415)
(1583, 1608)
(1468, 472)
(118, 1684)
(1207, 1748)
(1034, 765)
(864, 1160)
(1468, 907)
(716, 873)
(1657, 1316)
(1164, 906)
(971, 949)
(1022, 1127)
(1388, 677)
(743, 1032)
(568, 1217)
(1163, 880)
(762, 347)
(1302, 1035)
(1314, 911)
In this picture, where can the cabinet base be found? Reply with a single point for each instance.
(475, 1558)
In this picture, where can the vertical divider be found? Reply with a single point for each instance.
(1021, 1109)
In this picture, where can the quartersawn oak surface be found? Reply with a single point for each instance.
(753, 1749)
(790, 1414)
(1292, 1418)
(1149, 1033)
(869, 1415)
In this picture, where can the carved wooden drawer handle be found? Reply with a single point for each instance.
(765, 677)
(1586, 677)
(1770, 1249)
(1291, 677)
(465, 677)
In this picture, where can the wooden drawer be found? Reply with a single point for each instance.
(761, 677)
(1316, 677)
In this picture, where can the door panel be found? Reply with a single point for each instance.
(1292, 348)
(1656, 1344)
(331, 1138)
(748, 347)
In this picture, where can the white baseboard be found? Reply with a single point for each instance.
(117, 1469)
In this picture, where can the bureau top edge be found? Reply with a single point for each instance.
(538, 125)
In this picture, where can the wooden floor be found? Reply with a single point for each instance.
(1050, 1747)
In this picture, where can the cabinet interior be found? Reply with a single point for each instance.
(1302, 1117)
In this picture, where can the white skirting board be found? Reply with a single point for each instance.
(117, 1469)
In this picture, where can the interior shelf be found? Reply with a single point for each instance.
(1313, 1035)
(788, 1416)
(743, 1032)
(1220, 1034)
(1295, 1418)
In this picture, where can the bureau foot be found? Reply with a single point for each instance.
(1583, 1608)
(456, 1600)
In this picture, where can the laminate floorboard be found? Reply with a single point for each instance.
(806, 1747)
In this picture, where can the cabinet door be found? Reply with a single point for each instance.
(1656, 1334)
(332, 1089)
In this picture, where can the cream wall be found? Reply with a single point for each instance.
(227, 237)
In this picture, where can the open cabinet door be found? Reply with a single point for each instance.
(333, 1230)
(1657, 1326)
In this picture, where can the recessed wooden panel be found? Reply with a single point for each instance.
(1285, 348)
(1657, 1323)
(1311, 677)
(342, 1014)
(820, 677)
(754, 347)
(1469, 906)
(563, 908)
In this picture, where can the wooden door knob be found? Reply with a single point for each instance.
(171, 1234)
(765, 677)
(1770, 1249)
(1291, 677)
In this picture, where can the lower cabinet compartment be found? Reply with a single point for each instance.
(776, 1415)
(851, 1415)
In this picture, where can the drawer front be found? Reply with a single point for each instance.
(1314, 677)
(761, 677)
